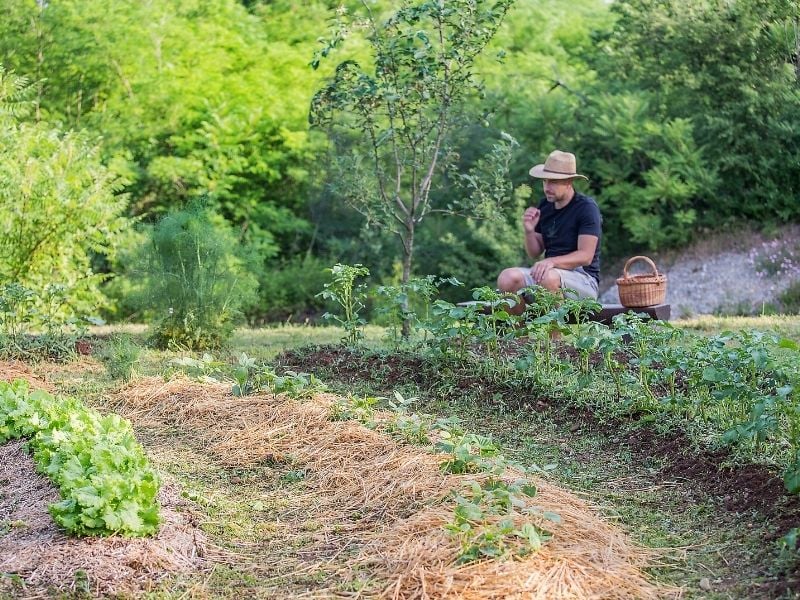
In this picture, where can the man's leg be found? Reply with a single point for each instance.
(578, 280)
(514, 279)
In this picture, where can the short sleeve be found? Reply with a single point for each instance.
(590, 222)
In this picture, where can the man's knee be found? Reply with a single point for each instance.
(551, 280)
(510, 280)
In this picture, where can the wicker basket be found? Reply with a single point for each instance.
(647, 289)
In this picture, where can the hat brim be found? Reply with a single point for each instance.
(541, 173)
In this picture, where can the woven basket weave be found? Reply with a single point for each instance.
(647, 289)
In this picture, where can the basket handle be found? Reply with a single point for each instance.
(637, 258)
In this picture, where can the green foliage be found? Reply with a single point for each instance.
(361, 409)
(288, 289)
(57, 206)
(411, 427)
(470, 452)
(684, 114)
(249, 377)
(120, 355)
(790, 299)
(33, 326)
(191, 99)
(651, 171)
(195, 280)
(731, 69)
(252, 378)
(485, 536)
(408, 302)
(391, 125)
(349, 297)
(101, 471)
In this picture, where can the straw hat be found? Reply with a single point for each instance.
(559, 165)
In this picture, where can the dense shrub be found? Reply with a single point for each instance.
(196, 280)
(58, 207)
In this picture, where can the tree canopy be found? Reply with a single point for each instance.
(685, 114)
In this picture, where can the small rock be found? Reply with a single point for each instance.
(705, 584)
(574, 427)
(236, 479)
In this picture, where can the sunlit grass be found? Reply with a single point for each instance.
(784, 325)
(262, 343)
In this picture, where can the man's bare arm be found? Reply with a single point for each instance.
(534, 244)
(583, 256)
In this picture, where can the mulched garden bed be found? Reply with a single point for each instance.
(750, 489)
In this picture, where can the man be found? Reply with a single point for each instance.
(566, 227)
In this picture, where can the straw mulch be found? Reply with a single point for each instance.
(399, 496)
(15, 369)
(33, 547)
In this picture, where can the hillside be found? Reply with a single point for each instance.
(737, 273)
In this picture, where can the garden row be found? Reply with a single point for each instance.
(736, 389)
(102, 474)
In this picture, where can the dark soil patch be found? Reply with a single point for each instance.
(737, 489)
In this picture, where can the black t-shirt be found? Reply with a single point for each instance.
(560, 228)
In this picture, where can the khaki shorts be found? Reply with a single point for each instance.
(578, 280)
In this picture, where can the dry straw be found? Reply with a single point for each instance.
(47, 559)
(384, 503)
(400, 495)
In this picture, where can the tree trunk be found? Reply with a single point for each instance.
(408, 254)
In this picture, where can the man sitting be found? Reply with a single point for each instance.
(566, 227)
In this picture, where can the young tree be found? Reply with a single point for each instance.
(391, 125)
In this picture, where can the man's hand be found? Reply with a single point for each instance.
(530, 218)
(540, 269)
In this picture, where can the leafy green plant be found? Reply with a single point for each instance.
(196, 280)
(205, 368)
(33, 326)
(249, 377)
(361, 409)
(350, 298)
(402, 302)
(408, 426)
(469, 452)
(453, 327)
(483, 535)
(104, 478)
(496, 322)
